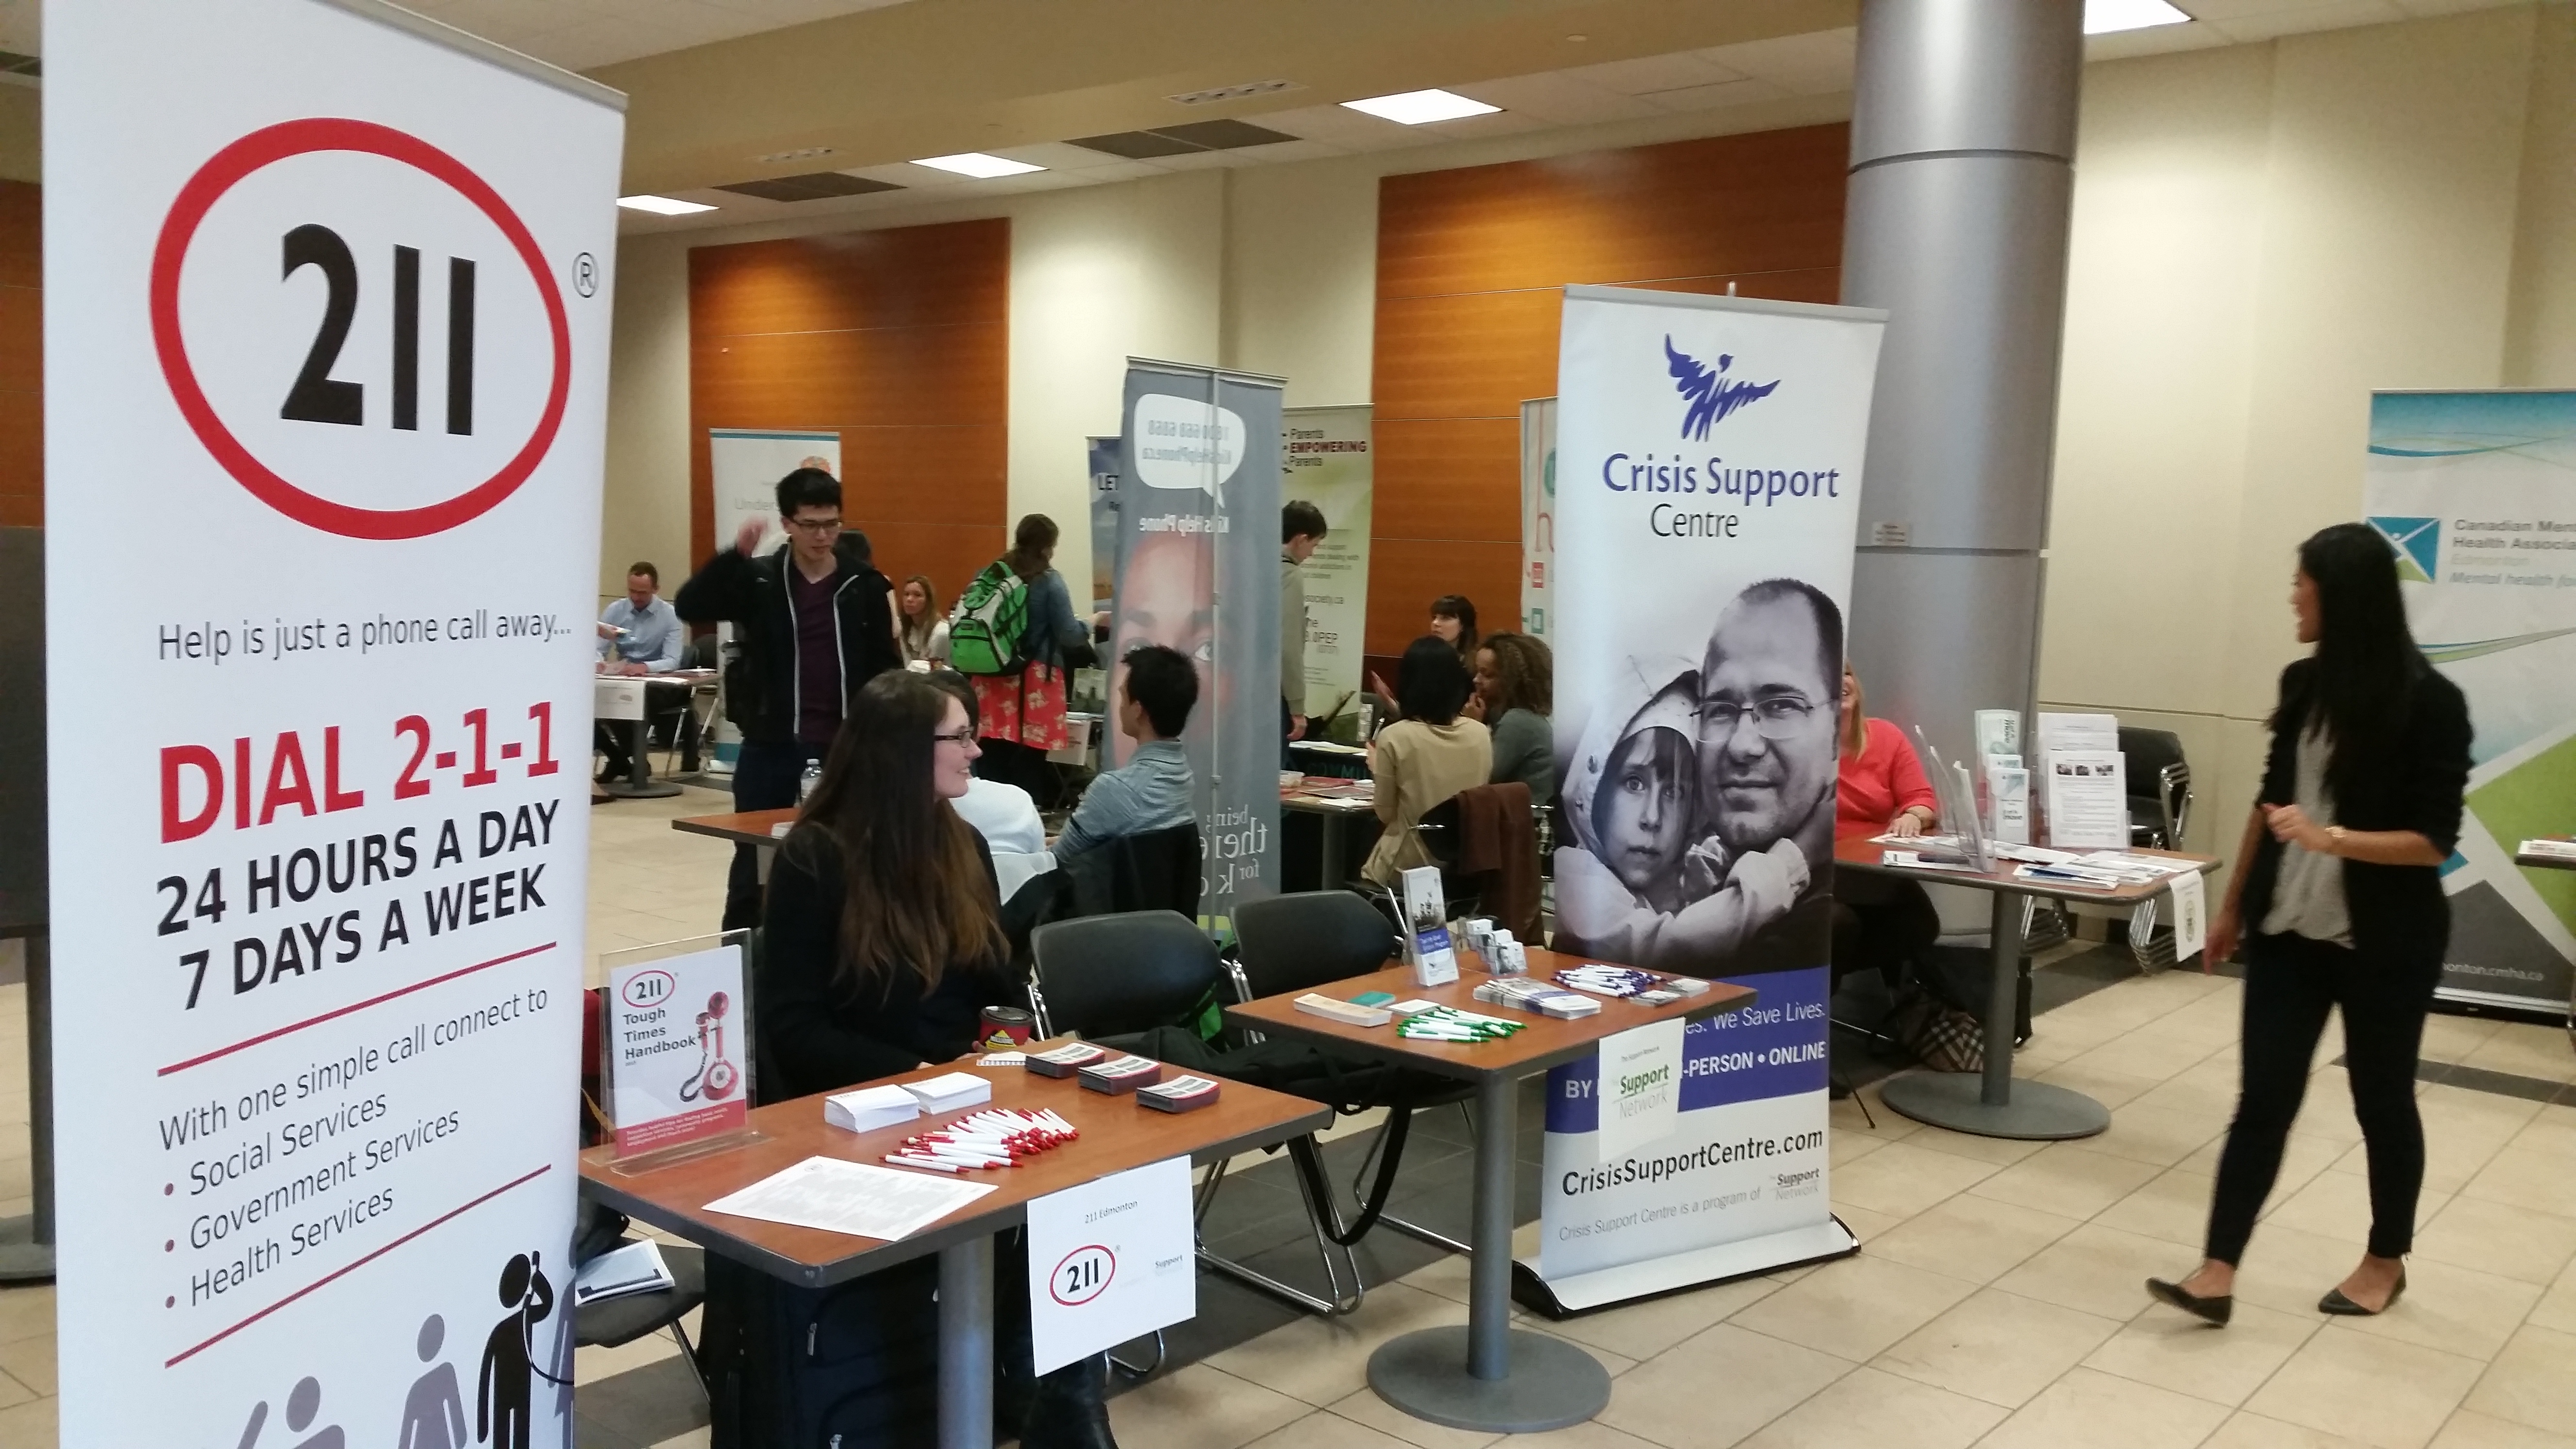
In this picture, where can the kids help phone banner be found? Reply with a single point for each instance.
(2476, 495)
(1198, 571)
(326, 339)
(1708, 490)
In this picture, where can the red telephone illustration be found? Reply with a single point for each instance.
(716, 1077)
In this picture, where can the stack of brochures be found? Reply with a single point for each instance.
(635, 1268)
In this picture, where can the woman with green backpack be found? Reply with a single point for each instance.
(1010, 635)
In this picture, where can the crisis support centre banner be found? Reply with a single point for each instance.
(320, 703)
(1709, 469)
(2476, 494)
(1198, 570)
(1328, 464)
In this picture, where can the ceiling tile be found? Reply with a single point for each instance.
(1497, 123)
(1653, 73)
(1283, 151)
(1222, 134)
(2223, 11)
(2451, 7)
(2154, 40)
(1725, 93)
(1817, 63)
(2332, 16)
(904, 173)
(1557, 96)
(1057, 156)
(1339, 126)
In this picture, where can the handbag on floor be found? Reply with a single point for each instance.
(1941, 1037)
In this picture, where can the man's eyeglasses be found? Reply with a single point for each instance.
(956, 737)
(1774, 716)
(816, 526)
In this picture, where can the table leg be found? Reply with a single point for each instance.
(639, 783)
(966, 1345)
(1994, 1104)
(1489, 1376)
(1336, 842)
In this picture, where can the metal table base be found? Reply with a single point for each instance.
(1488, 1376)
(639, 783)
(966, 1345)
(1994, 1104)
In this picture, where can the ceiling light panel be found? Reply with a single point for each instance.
(978, 165)
(1421, 108)
(2109, 17)
(662, 205)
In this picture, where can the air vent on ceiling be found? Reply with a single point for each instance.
(1184, 139)
(801, 153)
(814, 186)
(12, 63)
(1235, 92)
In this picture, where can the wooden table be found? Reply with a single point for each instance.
(639, 783)
(1486, 1376)
(1335, 813)
(1994, 1104)
(2547, 862)
(1117, 1134)
(747, 827)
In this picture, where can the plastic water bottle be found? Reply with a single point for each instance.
(805, 787)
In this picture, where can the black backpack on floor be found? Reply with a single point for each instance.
(853, 1366)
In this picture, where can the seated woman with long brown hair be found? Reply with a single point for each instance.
(884, 944)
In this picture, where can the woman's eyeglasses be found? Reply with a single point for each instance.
(955, 737)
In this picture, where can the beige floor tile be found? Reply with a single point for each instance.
(694, 1439)
(1996, 1346)
(2161, 1136)
(1864, 1224)
(2223, 1365)
(2527, 1050)
(2533, 1381)
(1716, 1388)
(2288, 1270)
(13, 1392)
(2173, 1206)
(1321, 1360)
(1846, 1147)
(2112, 1089)
(2253, 1431)
(2337, 1205)
(2068, 1183)
(2378, 1390)
(2557, 1307)
(31, 1362)
(1970, 1238)
(2301, 1161)
(1855, 1308)
(31, 1424)
(1882, 1411)
(2090, 1410)
(1366, 1408)
(1198, 1407)
(2470, 1429)
(2097, 1270)
(1889, 1126)
(1644, 1330)
(2458, 1310)
(2147, 1055)
(1902, 1179)
(2531, 1170)
(2494, 1237)
(26, 1312)
(1326, 1431)
(1592, 1435)
(2450, 1038)
(2206, 1091)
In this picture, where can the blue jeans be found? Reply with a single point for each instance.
(765, 777)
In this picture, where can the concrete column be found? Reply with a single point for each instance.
(1962, 177)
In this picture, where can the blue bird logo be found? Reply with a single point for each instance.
(1710, 394)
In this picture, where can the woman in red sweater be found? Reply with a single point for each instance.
(1879, 921)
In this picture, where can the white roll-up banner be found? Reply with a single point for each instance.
(1325, 452)
(1707, 494)
(1538, 512)
(745, 464)
(2476, 494)
(326, 325)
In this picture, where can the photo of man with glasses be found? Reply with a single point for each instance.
(815, 621)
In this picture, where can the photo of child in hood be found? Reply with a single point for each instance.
(1634, 887)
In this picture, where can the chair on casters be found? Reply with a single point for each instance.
(1112, 976)
(614, 1322)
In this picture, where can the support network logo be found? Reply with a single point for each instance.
(2417, 543)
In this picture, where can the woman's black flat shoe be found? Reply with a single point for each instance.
(2214, 1310)
(2335, 1303)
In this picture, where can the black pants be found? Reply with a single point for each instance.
(1026, 766)
(765, 777)
(1880, 924)
(2290, 983)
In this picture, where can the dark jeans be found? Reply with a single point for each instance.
(2290, 983)
(765, 777)
(1013, 763)
(1880, 924)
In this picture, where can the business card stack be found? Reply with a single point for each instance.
(871, 1108)
(1123, 1075)
(1181, 1094)
(1065, 1060)
(1521, 993)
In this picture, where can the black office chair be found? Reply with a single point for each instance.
(614, 1322)
(2159, 787)
(1121, 975)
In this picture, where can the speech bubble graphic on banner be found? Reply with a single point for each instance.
(1187, 444)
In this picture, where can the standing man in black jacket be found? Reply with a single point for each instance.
(816, 621)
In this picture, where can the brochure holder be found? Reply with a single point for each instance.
(675, 1051)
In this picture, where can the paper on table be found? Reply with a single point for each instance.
(850, 1197)
(2556, 849)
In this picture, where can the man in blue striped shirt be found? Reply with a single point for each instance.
(1152, 791)
(639, 634)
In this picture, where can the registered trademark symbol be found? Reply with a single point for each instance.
(585, 274)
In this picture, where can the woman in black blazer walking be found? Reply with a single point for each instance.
(2338, 899)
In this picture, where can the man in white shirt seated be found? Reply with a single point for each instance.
(638, 634)
(1002, 813)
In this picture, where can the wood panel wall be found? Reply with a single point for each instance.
(900, 339)
(22, 355)
(1470, 264)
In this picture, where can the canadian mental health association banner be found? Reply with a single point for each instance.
(325, 354)
(2476, 495)
(745, 464)
(1326, 454)
(1707, 493)
(1198, 571)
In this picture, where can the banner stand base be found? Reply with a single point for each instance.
(22, 1258)
(1582, 1293)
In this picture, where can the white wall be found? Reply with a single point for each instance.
(2263, 235)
